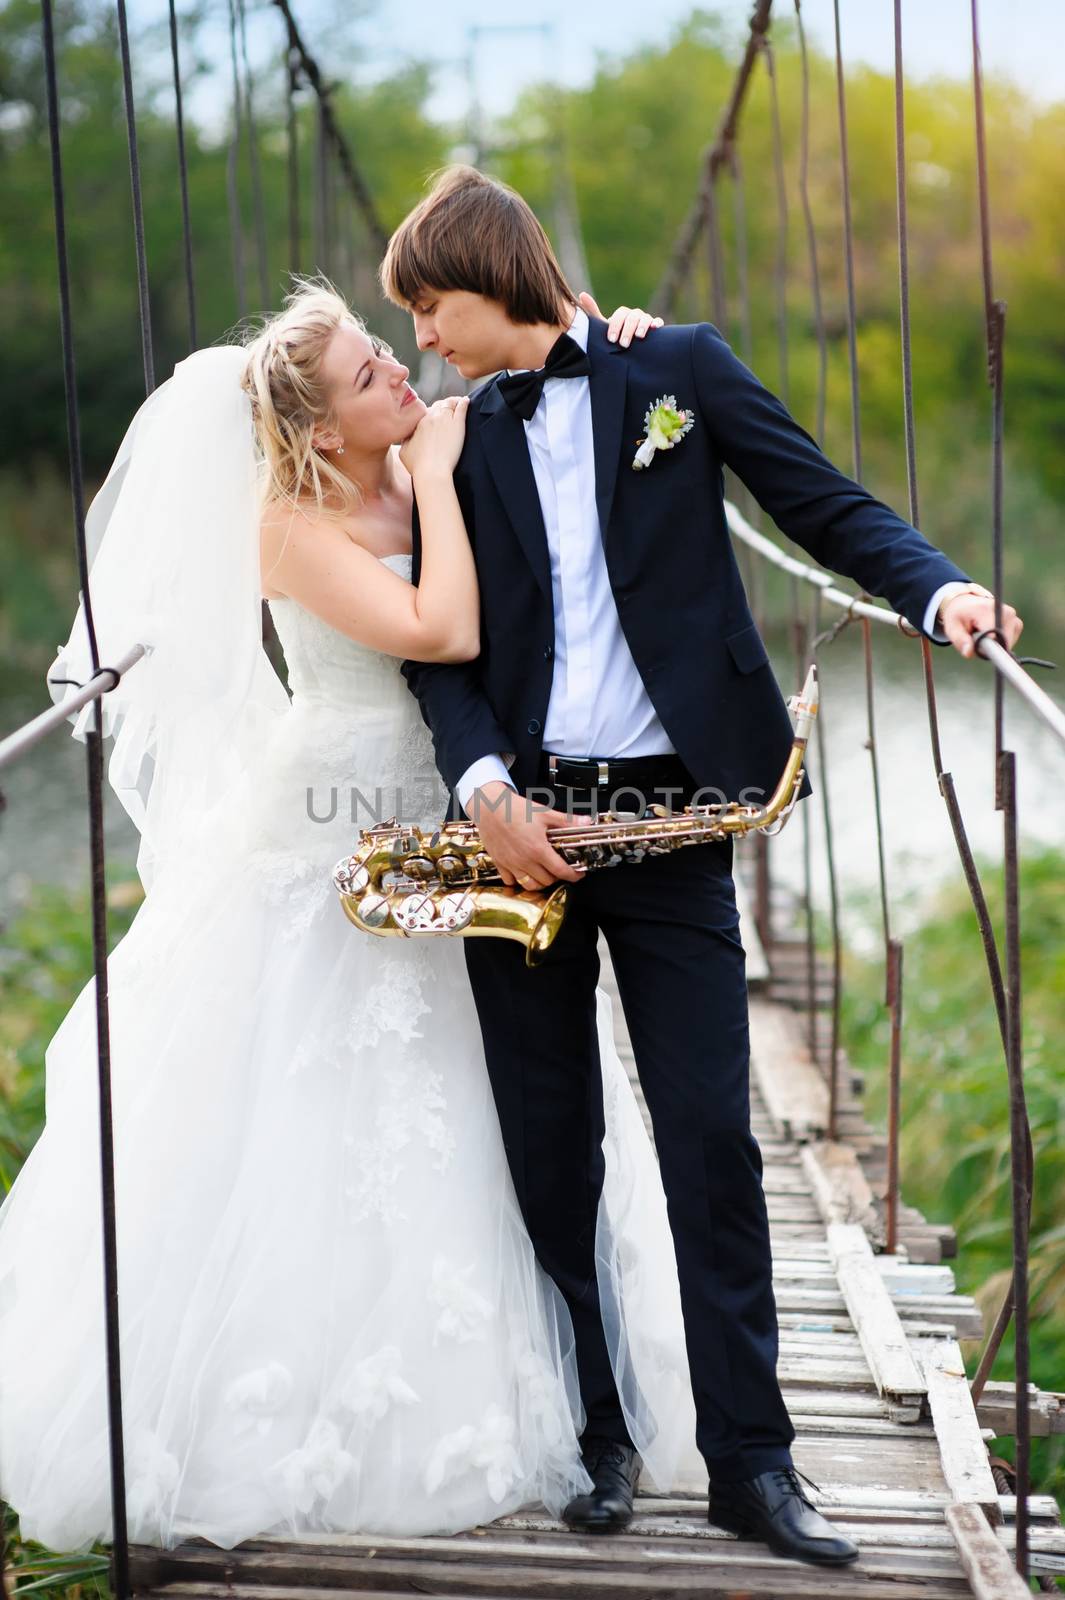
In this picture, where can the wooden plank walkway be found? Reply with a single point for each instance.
(870, 1368)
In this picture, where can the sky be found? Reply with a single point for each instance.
(512, 46)
(1022, 38)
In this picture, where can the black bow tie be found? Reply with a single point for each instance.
(522, 390)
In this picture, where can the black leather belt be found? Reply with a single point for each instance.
(645, 775)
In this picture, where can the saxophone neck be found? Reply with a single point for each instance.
(803, 706)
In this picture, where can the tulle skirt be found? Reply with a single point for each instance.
(331, 1315)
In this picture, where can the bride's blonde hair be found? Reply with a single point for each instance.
(289, 400)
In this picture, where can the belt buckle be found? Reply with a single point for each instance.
(595, 771)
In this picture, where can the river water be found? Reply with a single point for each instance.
(43, 834)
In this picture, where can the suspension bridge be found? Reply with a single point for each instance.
(889, 1425)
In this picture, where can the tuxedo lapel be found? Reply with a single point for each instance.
(507, 453)
(608, 384)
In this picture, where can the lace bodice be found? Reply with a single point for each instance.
(327, 668)
(354, 749)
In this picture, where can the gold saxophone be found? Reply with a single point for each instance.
(401, 882)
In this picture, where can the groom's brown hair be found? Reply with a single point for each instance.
(473, 232)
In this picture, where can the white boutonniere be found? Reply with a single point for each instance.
(666, 425)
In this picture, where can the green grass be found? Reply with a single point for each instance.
(33, 1570)
(955, 1153)
(45, 959)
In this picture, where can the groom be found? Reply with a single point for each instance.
(618, 653)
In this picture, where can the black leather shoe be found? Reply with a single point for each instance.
(773, 1507)
(615, 1471)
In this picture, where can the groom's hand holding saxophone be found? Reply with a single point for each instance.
(514, 832)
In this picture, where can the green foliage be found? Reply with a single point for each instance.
(45, 961)
(34, 1570)
(955, 1151)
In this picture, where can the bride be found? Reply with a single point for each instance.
(331, 1315)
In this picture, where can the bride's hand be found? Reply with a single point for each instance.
(436, 443)
(625, 324)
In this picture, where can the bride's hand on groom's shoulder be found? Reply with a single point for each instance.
(436, 443)
(626, 324)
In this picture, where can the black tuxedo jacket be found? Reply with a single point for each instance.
(669, 556)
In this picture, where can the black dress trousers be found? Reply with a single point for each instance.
(672, 929)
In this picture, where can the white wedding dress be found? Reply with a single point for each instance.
(331, 1314)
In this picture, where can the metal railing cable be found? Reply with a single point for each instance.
(144, 298)
(102, 682)
(1010, 666)
(322, 241)
(823, 769)
(1007, 997)
(183, 178)
(292, 159)
(1022, 1175)
(360, 190)
(715, 155)
(812, 631)
(254, 163)
(811, 233)
(236, 139)
(94, 770)
(780, 264)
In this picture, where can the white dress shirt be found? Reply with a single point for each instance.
(598, 704)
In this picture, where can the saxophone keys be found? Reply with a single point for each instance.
(419, 867)
(374, 910)
(456, 912)
(414, 912)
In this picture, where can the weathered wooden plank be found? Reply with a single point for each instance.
(793, 1091)
(848, 1426)
(872, 1463)
(851, 1501)
(670, 1532)
(757, 965)
(839, 1186)
(541, 1563)
(793, 1208)
(915, 1277)
(988, 1567)
(966, 1467)
(901, 1277)
(996, 1409)
(815, 1306)
(876, 1321)
(777, 1580)
(840, 1374)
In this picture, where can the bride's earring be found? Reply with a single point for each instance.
(340, 449)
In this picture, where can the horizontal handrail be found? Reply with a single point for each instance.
(31, 733)
(1001, 659)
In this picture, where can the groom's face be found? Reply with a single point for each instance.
(472, 333)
